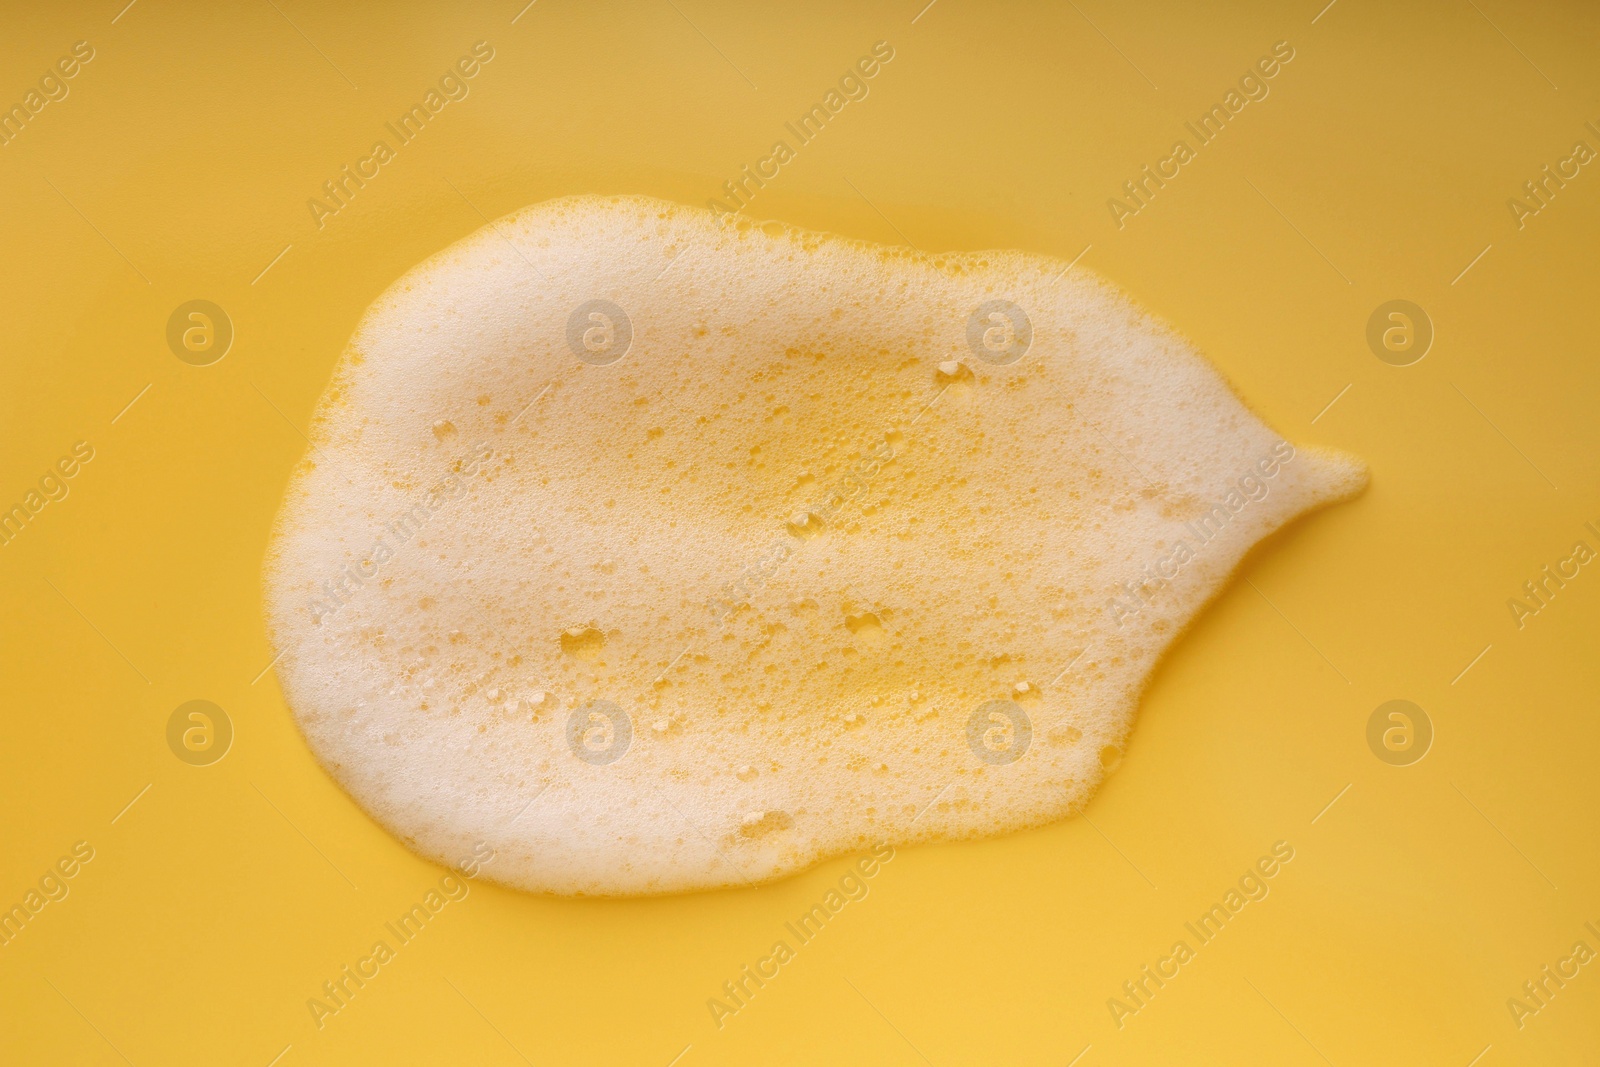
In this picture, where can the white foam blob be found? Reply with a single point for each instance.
(661, 554)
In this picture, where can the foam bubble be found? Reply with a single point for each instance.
(661, 554)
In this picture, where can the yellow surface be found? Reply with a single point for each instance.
(214, 907)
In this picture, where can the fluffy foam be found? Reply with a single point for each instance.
(802, 544)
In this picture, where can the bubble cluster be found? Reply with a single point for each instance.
(663, 580)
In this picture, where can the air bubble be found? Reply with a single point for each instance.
(866, 627)
(761, 823)
(805, 526)
(585, 642)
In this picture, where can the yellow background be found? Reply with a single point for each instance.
(179, 167)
